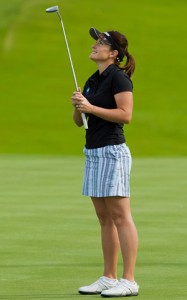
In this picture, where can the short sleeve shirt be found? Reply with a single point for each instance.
(99, 91)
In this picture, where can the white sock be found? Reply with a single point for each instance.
(130, 282)
(109, 279)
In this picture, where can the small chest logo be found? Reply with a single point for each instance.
(87, 90)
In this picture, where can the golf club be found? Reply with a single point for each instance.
(56, 9)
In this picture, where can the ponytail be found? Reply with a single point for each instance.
(122, 42)
(129, 66)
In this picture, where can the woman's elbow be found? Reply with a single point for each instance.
(127, 122)
(78, 123)
(127, 119)
(77, 119)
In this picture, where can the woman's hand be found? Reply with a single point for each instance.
(81, 103)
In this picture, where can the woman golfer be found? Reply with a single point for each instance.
(107, 101)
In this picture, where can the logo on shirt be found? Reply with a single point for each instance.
(87, 90)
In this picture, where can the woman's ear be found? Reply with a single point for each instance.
(114, 53)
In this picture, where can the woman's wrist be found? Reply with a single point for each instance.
(93, 108)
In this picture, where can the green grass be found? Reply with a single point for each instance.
(36, 81)
(49, 235)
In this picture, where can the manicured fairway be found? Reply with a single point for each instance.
(49, 237)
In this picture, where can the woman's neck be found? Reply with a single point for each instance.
(103, 66)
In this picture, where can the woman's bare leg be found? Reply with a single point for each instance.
(119, 210)
(109, 238)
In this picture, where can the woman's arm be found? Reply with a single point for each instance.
(77, 117)
(121, 114)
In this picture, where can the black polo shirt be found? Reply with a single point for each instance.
(100, 90)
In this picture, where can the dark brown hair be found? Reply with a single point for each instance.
(122, 41)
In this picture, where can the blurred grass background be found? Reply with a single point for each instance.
(36, 81)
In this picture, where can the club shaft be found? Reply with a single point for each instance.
(72, 68)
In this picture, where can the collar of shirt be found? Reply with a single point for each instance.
(105, 72)
(108, 69)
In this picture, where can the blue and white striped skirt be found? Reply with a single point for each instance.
(107, 171)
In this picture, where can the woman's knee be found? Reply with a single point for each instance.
(104, 219)
(119, 210)
(120, 219)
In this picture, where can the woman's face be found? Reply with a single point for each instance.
(101, 51)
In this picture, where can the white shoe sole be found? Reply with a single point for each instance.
(89, 293)
(113, 296)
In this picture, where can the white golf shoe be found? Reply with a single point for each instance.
(102, 284)
(124, 288)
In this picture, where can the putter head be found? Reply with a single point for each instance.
(52, 9)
